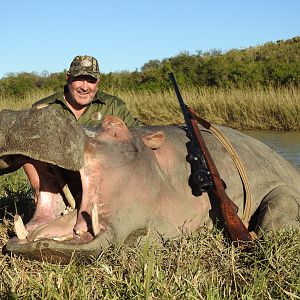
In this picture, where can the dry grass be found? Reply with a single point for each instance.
(259, 108)
(25, 102)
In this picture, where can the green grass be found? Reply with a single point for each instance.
(201, 266)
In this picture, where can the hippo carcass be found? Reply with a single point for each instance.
(135, 182)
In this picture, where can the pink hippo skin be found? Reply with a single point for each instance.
(136, 182)
(128, 181)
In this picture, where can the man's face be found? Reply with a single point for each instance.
(82, 89)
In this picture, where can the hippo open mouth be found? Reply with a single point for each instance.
(52, 144)
(57, 239)
(73, 217)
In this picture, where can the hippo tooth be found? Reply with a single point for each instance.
(59, 238)
(79, 232)
(67, 210)
(20, 230)
(69, 196)
(63, 238)
(95, 220)
(39, 106)
(38, 238)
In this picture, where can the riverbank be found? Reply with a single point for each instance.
(252, 108)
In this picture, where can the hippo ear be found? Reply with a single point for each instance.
(115, 127)
(154, 140)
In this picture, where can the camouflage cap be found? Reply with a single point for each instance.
(85, 65)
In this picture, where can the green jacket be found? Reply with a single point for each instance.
(102, 105)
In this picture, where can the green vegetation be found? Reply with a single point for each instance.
(273, 64)
(202, 266)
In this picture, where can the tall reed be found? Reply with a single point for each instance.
(250, 108)
(259, 108)
(25, 102)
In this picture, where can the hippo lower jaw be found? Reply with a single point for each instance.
(55, 251)
(42, 244)
(58, 249)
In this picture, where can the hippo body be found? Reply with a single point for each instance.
(136, 182)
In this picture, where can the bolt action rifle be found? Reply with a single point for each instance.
(206, 175)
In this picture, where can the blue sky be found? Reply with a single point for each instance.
(38, 35)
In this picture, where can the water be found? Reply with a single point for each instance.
(285, 143)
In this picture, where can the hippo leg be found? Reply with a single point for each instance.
(279, 209)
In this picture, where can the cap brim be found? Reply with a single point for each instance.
(83, 73)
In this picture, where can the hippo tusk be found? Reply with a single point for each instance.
(79, 232)
(69, 197)
(95, 219)
(96, 228)
(4, 164)
(20, 230)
